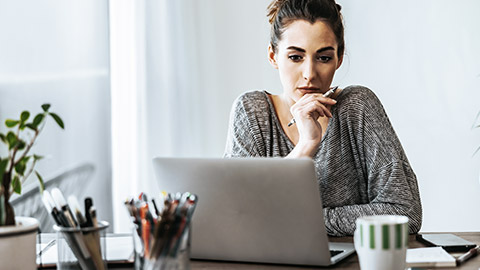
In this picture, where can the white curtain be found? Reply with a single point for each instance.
(176, 68)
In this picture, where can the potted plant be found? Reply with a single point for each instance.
(15, 168)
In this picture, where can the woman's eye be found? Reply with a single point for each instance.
(324, 59)
(295, 58)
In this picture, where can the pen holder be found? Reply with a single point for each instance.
(82, 248)
(163, 252)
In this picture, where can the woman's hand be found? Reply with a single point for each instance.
(306, 112)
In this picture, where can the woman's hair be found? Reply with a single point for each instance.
(283, 12)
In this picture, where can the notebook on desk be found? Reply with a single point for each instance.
(265, 210)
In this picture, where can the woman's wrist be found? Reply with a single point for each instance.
(304, 149)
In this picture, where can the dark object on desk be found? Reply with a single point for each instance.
(447, 241)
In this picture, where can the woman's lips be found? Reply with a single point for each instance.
(309, 89)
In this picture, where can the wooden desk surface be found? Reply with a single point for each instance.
(349, 263)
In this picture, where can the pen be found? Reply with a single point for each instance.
(470, 254)
(327, 94)
(162, 236)
(93, 216)
(145, 230)
(155, 207)
(73, 203)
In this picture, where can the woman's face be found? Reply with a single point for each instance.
(306, 58)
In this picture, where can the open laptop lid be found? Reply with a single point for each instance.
(251, 209)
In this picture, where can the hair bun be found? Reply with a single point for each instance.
(339, 8)
(273, 10)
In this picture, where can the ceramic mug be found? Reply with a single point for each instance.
(381, 242)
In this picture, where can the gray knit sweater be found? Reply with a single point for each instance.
(360, 164)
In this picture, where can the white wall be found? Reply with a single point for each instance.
(420, 57)
(422, 60)
(57, 52)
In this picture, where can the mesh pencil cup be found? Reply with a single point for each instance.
(173, 255)
(82, 248)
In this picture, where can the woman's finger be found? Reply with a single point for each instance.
(310, 97)
(305, 109)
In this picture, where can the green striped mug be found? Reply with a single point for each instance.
(381, 242)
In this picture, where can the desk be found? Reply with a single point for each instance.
(349, 263)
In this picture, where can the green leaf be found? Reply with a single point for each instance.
(3, 138)
(24, 116)
(3, 167)
(11, 123)
(37, 157)
(58, 120)
(38, 119)
(21, 145)
(40, 180)
(31, 126)
(16, 184)
(45, 107)
(11, 139)
(26, 159)
(20, 168)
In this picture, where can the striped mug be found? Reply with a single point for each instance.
(381, 242)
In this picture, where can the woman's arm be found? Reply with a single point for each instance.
(386, 183)
(241, 138)
(392, 190)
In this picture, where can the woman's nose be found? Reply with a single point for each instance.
(309, 71)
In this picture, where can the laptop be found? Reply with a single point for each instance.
(261, 210)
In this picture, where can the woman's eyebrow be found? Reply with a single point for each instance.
(318, 51)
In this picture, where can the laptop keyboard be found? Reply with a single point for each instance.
(335, 252)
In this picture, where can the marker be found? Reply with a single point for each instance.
(75, 239)
(88, 205)
(327, 94)
(60, 201)
(470, 254)
(47, 201)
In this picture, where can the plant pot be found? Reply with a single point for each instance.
(18, 244)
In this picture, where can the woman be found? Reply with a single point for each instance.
(360, 164)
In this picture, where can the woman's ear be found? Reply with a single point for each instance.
(272, 57)
(340, 61)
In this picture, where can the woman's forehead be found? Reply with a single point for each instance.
(304, 34)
